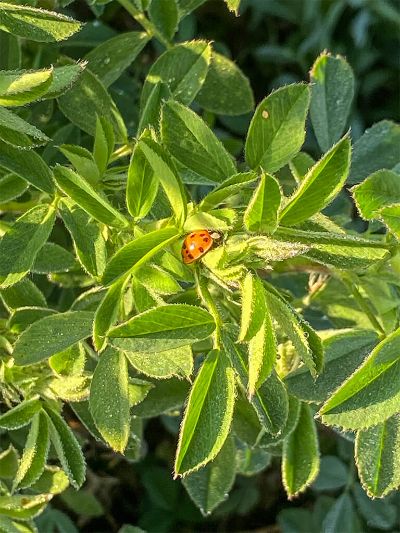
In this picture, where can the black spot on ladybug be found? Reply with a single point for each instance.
(192, 235)
(201, 249)
(184, 246)
(190, 256)
(202, 234)
(206, 239)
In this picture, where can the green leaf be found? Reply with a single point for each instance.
(36, 24)
(391, 217)
(53, 258)
(183, 68)
(187, 6)
(17, 132)
(320, 186)
(20, 245)
(300, 165)
(69, 362)
(63, 78)
(150, 113)
(138, 252)
(333, 474)
(208, 414)
(377, 513)
(67, 448)
(110, 58)
(162, 365)
(86, 197)
(142, 185)
(261, 214)
(231, 186)
(233, 5)
(52, 481)
(209, 486)
(52, 334)
(107, 313)
(253, 307)
(157, 280)
(82, 502)
(22, 507)
(164, 168)
(34, 457)
(226, 90)
(376, 149)
(109, 400)
(22, 294)
(8, 462)
(268, 440)
(277, 131)
(24, 317)
(83, 161)
(10, 52)
(163, 328)
(11, 187)
(300, 464)
(380, 189)
(344, 352)
(372, 393)
(332, 91)
(31, 167)
(377, 457)
(193, 144)
(87, 100)
(166, 396)
(340, 516)
(70, 388)
(218, 219)
(164, 15)
(20, 415)
(89, 243)
(104, 142)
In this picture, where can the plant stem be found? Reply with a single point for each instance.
(208, 301)
(151, 30)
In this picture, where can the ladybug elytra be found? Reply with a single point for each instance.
(196, 244)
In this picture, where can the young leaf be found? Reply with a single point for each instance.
(21, 507)
(21, 87)
(67, 448)
(87, 100)
(87, 198)
(34, 457)
(30, 168)
(208, 414)
(233, 5)
(20, 415)
(163, 328)
(150, 113)
(109, 400)
(157, 280)
(277, 131)
(344, 352)
(89, 243)
(183, 68)
(164, 15)
(83, 161)
(63, 78)
(107, 313)
(332, 91)
(104, 141)
(380, 189)
(377, 457)
(138, 252)
(231, 186)
(261, 214)
(226, 90)
(376, 149)
(253, 307)
(320, 186)
(370, 395)
(163, 365)
(164, 168)
(142, 185)
(193, 144)
(36, 24)
(209, 486)
(110, 58)
(300, 464)
(22, 242)
(52, 334)
(17, 132)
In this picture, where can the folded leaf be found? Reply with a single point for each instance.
(107, 313)
(208, 414)
(163, 328)
(253, 307)
(22, 242)
(193, 144)
(277, 129)
(87, 198)
(372, 394)
(142, 185)
(229, 187)
(36, 24)
(320, 186)
(138, 252)
(261, 214)
(109, 400)
(51, 335)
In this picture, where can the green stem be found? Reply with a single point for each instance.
(122, 151)
(151, 30)
(350, 280)
(208, 301)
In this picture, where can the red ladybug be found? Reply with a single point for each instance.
(196, 245)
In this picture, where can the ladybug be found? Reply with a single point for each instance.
(197, 244)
